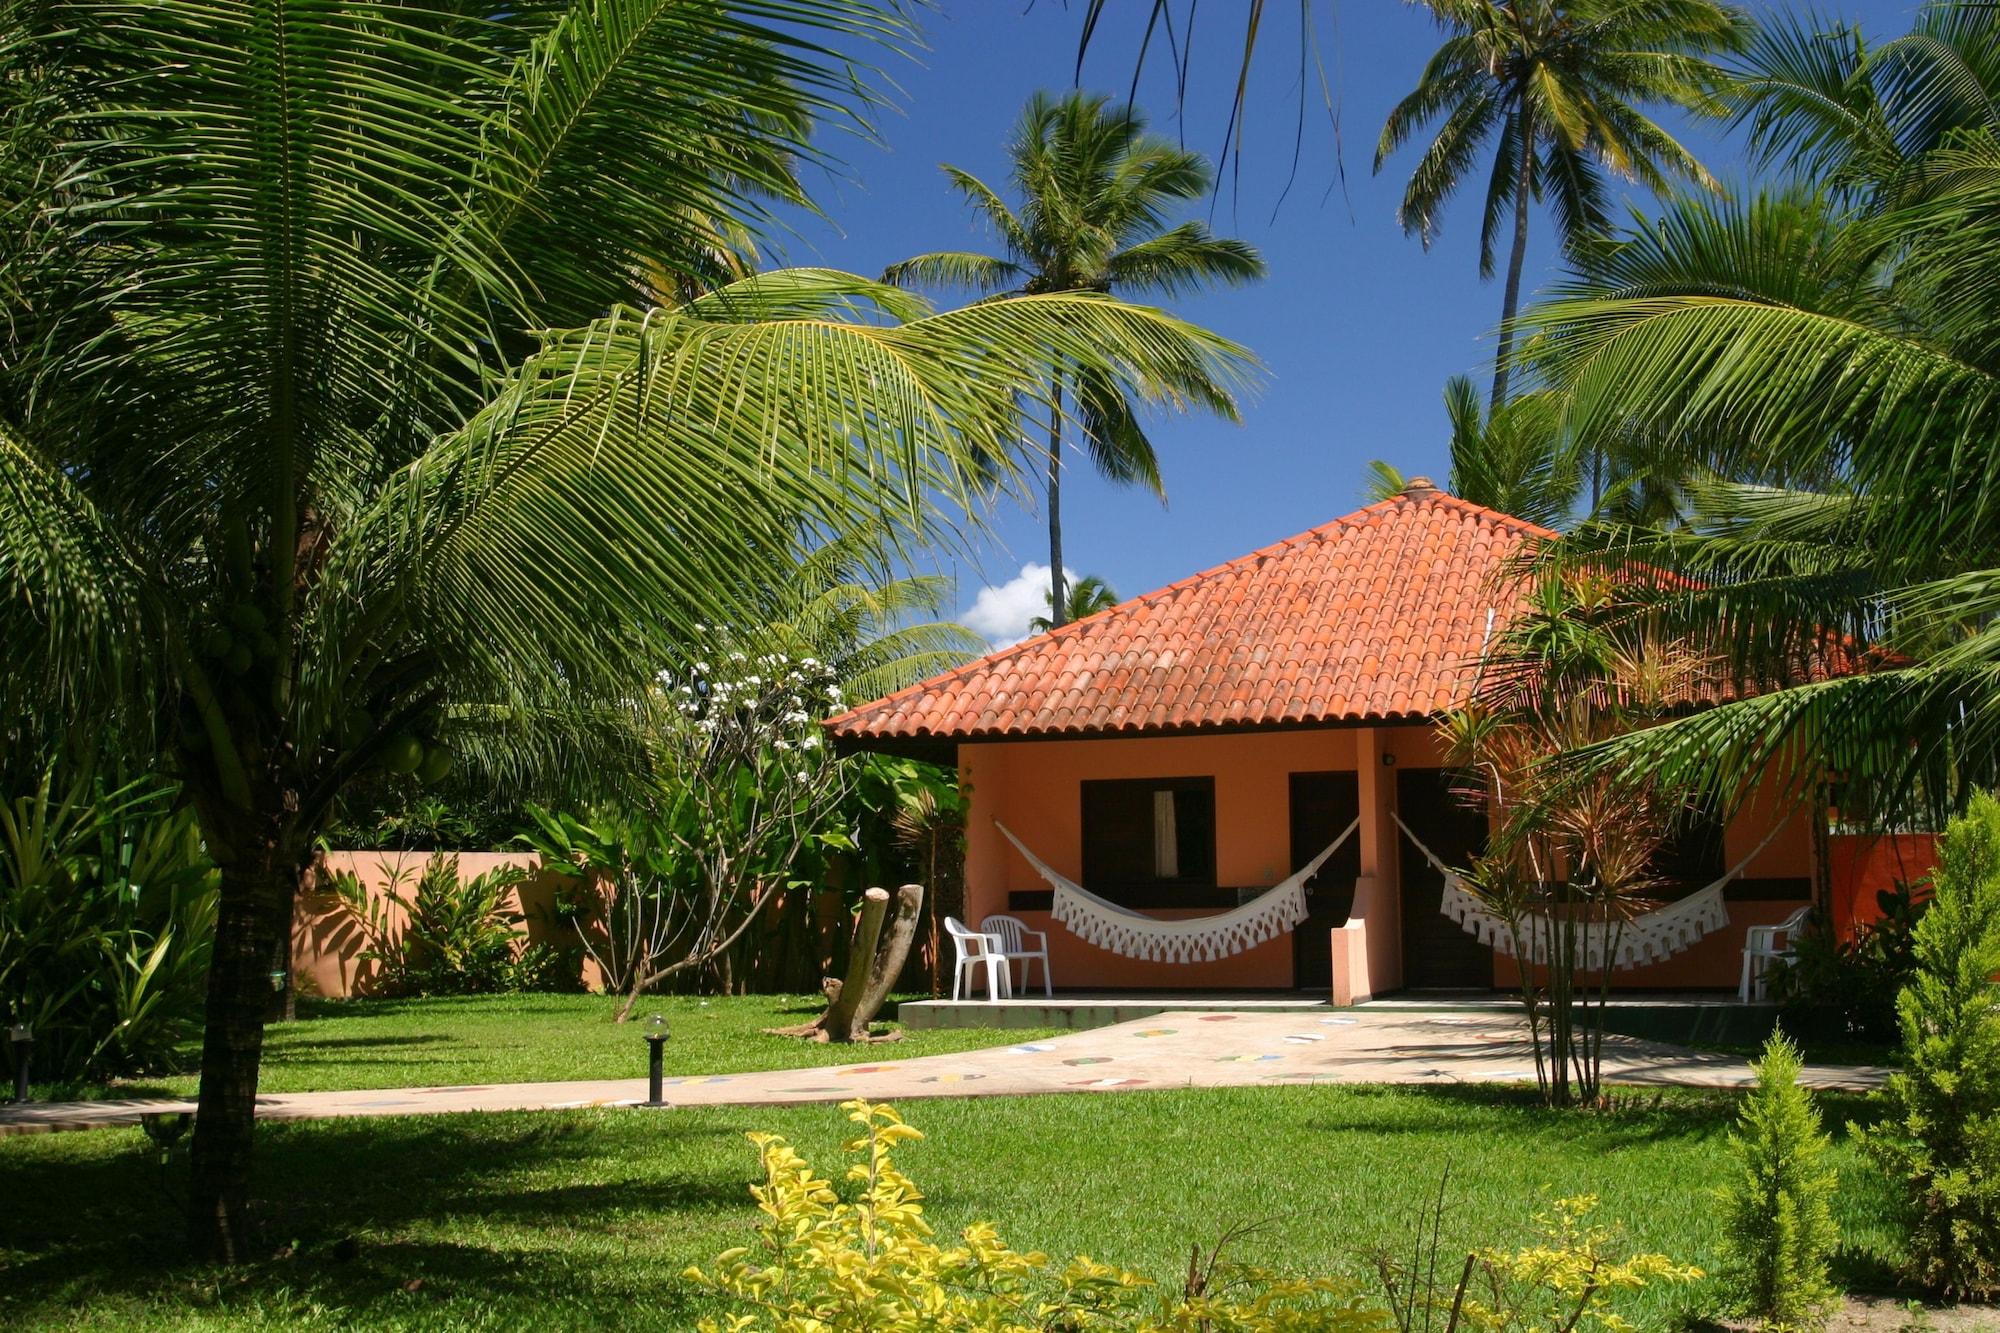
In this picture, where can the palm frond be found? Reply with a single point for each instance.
(956, 268)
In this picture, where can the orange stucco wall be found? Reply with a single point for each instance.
(326, 943)
(1033, 787)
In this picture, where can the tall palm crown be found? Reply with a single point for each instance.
(1862, 120)
(1096, 194)
(339, 425)
(1557, 89)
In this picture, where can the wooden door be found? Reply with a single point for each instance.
(1322, 805)
(1438, 954)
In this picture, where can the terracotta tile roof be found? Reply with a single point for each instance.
(1380, 615)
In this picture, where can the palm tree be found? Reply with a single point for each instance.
(339, 430)
(1558, 87)
(1860, 120)
(1517, 460)
(1840, 351)
(1087, 596)
(1096, 191)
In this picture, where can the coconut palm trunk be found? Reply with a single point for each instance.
(1517, 260)
(256, 890)
(1057, 599)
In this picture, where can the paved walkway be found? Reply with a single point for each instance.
(1178, 1050)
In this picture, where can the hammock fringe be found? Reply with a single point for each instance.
(1105, 924)
(1651, 938)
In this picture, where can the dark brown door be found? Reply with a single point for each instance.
(1437, 952)
(1322, 805)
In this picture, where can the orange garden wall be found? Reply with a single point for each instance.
(327, 944)
(1860, 865)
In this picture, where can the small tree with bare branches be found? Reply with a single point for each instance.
(1571, 854)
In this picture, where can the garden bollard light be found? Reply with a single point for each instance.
(22, 1038)
(656, 1039)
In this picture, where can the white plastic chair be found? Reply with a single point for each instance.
(1761, 948)
(1013, 933)
(975, 951)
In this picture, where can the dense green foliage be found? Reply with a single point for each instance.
(1779, 1224)
(107, 904)
(373, 396)
(1940, 1142)
(1829, 346)
(587, 1218)
(1845, 989)
(451, 935)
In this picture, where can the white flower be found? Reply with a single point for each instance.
(809, 743)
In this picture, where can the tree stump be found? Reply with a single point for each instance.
(881, 946)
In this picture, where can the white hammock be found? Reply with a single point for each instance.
(1649, 938)
(1200, 939)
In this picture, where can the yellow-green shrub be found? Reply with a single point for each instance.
(1572, 1278)
(823, 1263)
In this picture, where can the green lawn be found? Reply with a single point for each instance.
(534, 1038)
(586, 1219)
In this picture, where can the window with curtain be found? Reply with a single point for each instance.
(1150, 842)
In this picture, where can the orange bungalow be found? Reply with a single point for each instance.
(1140, 780)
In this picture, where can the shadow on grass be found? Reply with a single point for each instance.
(354, 1213)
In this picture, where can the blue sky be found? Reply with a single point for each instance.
(1358, 326)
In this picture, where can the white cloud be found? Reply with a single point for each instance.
(1001, 612)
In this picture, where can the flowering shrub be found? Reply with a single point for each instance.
(741, 786)
(745, 705)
